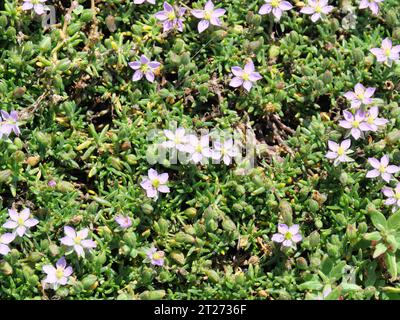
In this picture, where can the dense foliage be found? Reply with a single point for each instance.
(81, 156)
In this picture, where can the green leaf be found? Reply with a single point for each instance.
(373, 236)
(350, 287)
(394, 221)
(337, 271)
(391, 265)
(379, 220)
(379, 249)
(310, 285)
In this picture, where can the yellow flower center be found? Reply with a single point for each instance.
(397, 195)
(387, 52)
(171, 16)
(356, 124)
(77, 240)
(35, 1)
(275, 3)
(318, 9)
(207, 15)
(59, 273)
(157, 255)
(340, 151)
(370, 120)
(144, 67)
(382, 169)
(155, 183)
(245, 77)
(288, 236)
(20, 221)
(199, 148)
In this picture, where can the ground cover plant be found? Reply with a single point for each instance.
(199, 149)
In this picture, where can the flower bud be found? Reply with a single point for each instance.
(90, 282)
(178, 257)
(314, 239)
(45, 44)
(228, 225)
(212, 275)
(358, 55)
(87, 15)
(130, 238)
(5, 175)
(147, 208)
(301, 263)
(184, 238)
(190, 212)
(286, 212)
(327, 77)
(6, 268)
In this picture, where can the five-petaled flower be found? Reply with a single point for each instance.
(276, 7)
(58, 275)
(156, 257)
(208, 15)
(355, 123)
(123, 221)
(317, 8)
(387, 53)
(36, 5)
(199, 148)
(288, 236)
(172, 17)
(360, 96)
(372, 119)
(177, 139)
(155, 183)
(144, 67)
(382, 168)
(373, 5)
(77, 240)
(6, 239)
(8, 123)
(393, 196)
(20, 222)
(244, 77)
(225, 150)
(339, 153)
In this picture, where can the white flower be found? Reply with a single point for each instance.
(77, 240)
(226, 150)
(59, 275)
(20, 222)
(155, 183)
(6, 239)
(200, 148)
(382, 168)
(177, 139)
(339, 152)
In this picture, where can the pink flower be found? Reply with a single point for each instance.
(387, 53)
(244, 77)
(36, 5)
(6, 239)
(172, 17)
(199, 148)
(276, 7)
(77, 240)
(361, 95)
(144, 67)
(382, 168)
(373, 121)
(393, 197)
(339, 152)
(155, 257)
(317, 8)
(373, 5)
(155, 183)
(9, 123)
(288, 236)
(123, 221)
(20, 222)
(208, 15)
(59, 275)
(356, 124)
